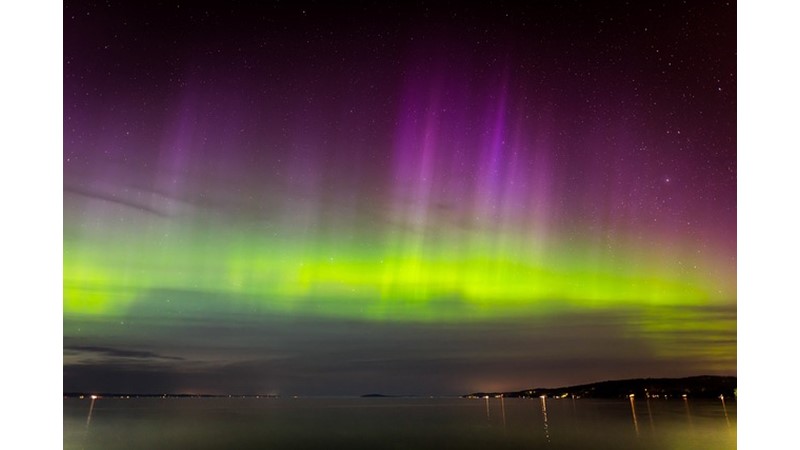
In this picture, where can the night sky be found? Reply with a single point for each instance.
(333, 198)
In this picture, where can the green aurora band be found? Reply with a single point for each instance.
(487, 280)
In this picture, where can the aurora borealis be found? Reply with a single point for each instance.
(410, 197)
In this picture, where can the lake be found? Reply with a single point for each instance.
(398, 423)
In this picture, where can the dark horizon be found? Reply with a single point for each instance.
(709, 379)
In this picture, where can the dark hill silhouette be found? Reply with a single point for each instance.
(705, 386)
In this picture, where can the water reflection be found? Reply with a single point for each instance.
(688, 412)
(503, 409)
(91, 408)
(633, 412)
(89, 418)
(650, 414)
(409, 423)
(725, 410)
(544, 416)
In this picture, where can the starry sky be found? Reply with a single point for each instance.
(334, 198)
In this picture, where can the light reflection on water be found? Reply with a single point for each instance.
(725, 410)
(633, 412)
(401, 423)
(544, 418)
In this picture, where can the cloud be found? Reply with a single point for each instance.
(116, 199)
(111, 352)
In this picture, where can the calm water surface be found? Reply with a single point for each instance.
(395, 423)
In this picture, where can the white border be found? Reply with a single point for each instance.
(31, 323)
